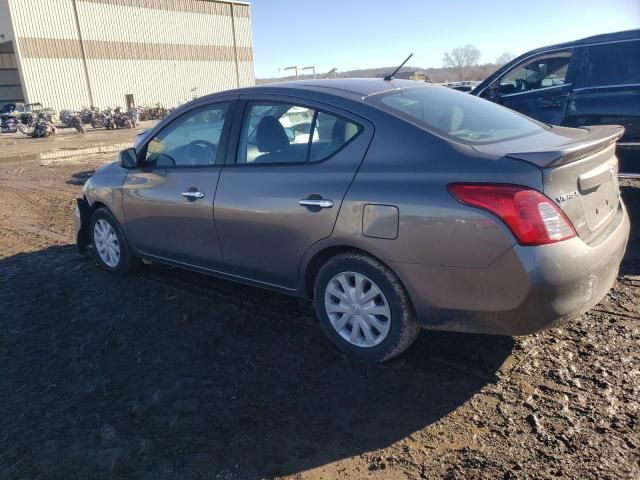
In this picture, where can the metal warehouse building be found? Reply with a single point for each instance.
(75, 53)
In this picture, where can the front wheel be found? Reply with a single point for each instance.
(363, 308)
(26, 129)
(110, 245)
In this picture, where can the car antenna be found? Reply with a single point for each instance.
(388, 78)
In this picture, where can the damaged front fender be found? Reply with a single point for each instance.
(81, 220)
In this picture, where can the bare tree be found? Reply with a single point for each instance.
(505, 58)
(461, 59)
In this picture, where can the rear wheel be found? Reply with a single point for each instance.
(110, 245)
(363, 308)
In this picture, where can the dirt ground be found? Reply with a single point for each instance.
(172, 375)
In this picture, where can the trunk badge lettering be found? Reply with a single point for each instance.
(566, 196)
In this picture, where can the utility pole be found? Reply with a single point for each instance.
(311, 68)
(333, 71)
(295, 67)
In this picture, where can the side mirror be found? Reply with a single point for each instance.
(128, 158)
(291, 134)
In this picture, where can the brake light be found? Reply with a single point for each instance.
(531, 216)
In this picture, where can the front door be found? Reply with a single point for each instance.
(168, 202)
(284, 187)
(539, 88)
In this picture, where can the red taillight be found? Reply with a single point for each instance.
(532, 217)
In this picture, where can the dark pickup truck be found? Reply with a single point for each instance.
(593, 81)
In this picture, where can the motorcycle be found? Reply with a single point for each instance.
(66, 118)
(43, 127)
(122, 120)
(134, 115)
(108, 120)
(98, 119)
(77, 123)
(8, 124)
(26, 123)
(87, 114)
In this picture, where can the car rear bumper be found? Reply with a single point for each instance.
(525, 290)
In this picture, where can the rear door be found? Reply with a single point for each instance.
(168, 201)
(284, 182)
(538, 87)
(607, 91)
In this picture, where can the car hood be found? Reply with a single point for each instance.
(113, 167)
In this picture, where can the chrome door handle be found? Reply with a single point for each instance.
(193, 195)
(312, 202)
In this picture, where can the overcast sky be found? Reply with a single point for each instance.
(350, 34)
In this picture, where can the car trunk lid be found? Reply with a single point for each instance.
(579, 173)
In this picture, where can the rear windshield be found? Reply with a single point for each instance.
(459, 116)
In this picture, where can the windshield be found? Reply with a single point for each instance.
(456, 115)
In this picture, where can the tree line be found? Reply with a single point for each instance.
(464, 63)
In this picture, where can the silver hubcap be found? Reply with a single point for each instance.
(106, 242)
(357, 309)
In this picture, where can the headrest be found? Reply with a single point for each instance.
(270, 135)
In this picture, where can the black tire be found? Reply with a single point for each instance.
(128, 260)
(404, 328)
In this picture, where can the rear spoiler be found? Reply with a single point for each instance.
(598, 138)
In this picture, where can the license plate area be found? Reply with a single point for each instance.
(587, 191)
(600, 203)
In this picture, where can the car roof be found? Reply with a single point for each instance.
(602, 38)
(625, 35)
(352, 88)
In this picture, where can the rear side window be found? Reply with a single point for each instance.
(610, 64)
(456, 115)
(330, 134)
(275, 132)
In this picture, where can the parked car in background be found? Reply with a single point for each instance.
(407, 205)
(593, 81)
(464, 86)
(12, 108)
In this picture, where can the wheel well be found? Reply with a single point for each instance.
(320, 258)
(97, 205)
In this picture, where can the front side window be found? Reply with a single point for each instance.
(275, 132)
(456, 115)
(191, 140)
(611, 64)
(542, 72)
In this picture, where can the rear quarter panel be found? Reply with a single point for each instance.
(410, 169)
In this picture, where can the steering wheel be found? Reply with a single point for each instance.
(197, 149)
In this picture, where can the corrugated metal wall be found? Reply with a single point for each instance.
(161, 51)
(10, 83)
(244, 39)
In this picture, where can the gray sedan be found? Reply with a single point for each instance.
(394, 205)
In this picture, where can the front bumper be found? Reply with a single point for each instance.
(526, 290)
(81, 219)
